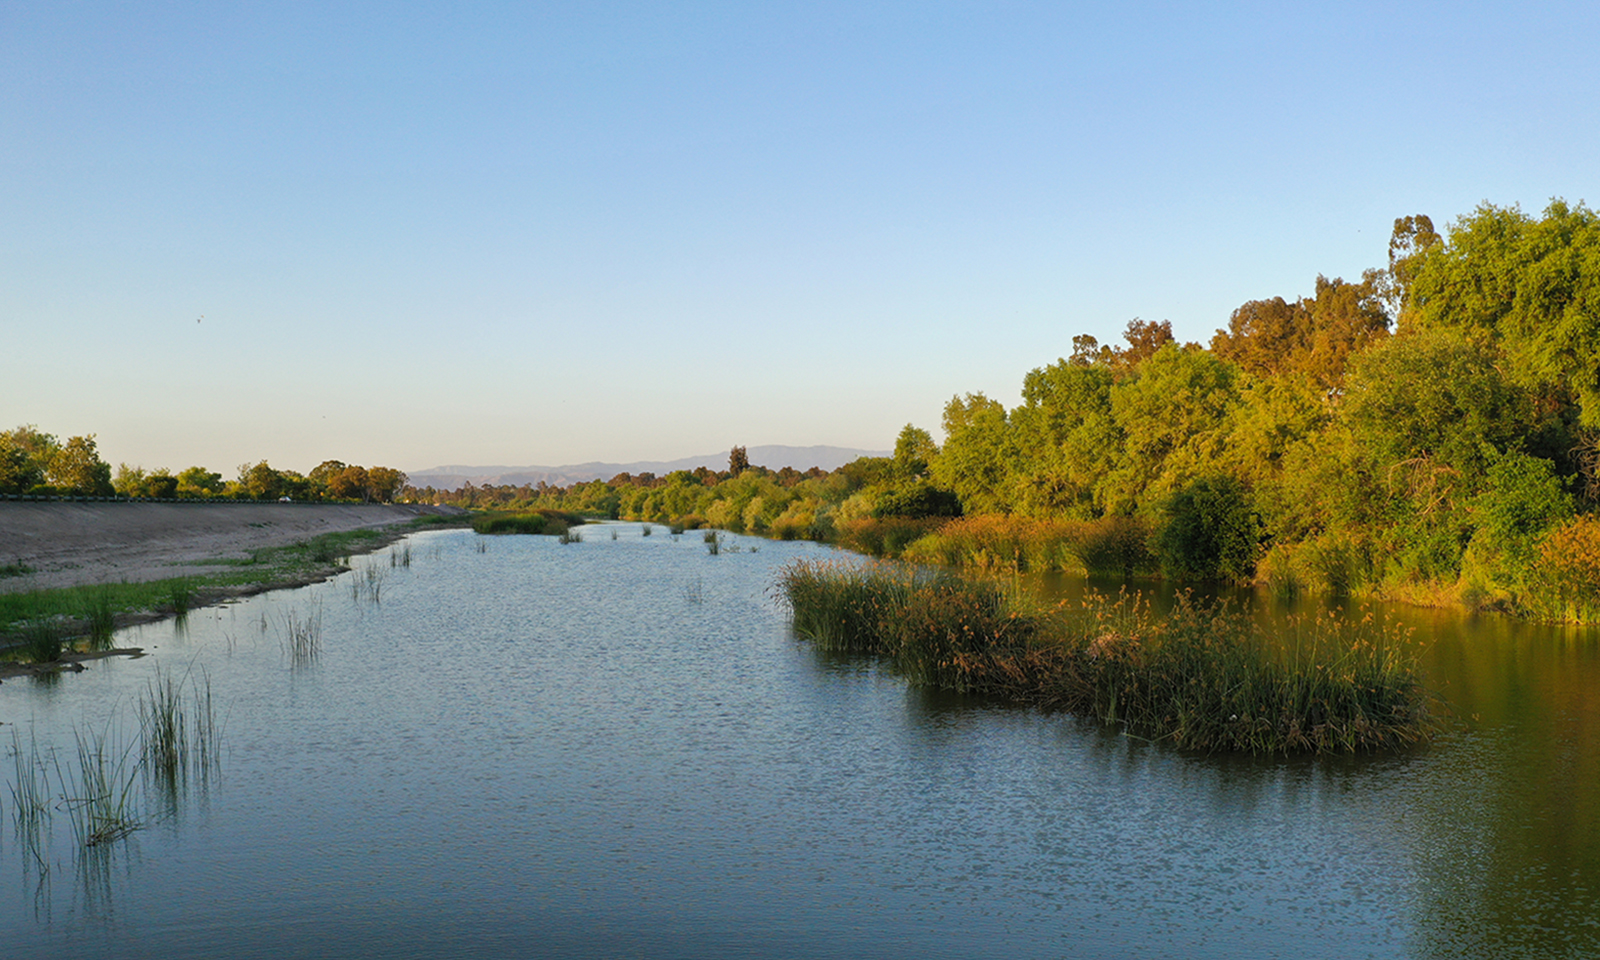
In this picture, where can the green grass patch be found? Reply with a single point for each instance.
(1204, 677)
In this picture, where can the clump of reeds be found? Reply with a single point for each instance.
(676, 528)
(481, 545)
(543, 521)
(646, 530)
(180, 595)
(302, 636)
(713, 542)
(30, 796)
(178, 735)
(1112, 546)
(42, 640)
(569, 536)
(98, 608)
(1202, 678)
(99, 793)
(366, 583)
(401, 555)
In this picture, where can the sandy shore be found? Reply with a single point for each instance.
(75, 544)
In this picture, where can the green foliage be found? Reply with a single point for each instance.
(976, 450)
(913, 449)
(1530, 286)
(1210, 531)
(1521, 500)
(916, 500)
(1174, 414)
(1435, 397)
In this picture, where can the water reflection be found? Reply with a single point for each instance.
(616, 747)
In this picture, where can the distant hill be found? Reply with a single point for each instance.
(774, 457)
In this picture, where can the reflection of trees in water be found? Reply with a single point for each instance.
(1507, 842)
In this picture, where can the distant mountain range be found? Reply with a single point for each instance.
(774, 457)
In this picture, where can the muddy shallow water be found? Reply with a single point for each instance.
(615, 748)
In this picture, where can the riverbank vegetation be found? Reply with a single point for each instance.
(1429, 433)
(1204, 677)
(39, 626)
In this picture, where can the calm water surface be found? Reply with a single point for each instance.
(617, 749)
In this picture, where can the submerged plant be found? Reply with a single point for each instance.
(366, 582)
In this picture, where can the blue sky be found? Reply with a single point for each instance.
(550, 233)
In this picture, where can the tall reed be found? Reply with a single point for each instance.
(99, 793)
(30, 796)
(98, 609)
(1203, 677)
(180, 595)
(302, 636)
(42, 640)
(178, 734)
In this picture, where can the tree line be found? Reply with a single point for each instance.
(1429, 432)
(39, 464)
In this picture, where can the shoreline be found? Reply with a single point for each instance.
(166, 564)
(71, 544)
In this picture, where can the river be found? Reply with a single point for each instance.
(513, 747)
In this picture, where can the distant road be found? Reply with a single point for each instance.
(71, 544)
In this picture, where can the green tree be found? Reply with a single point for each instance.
(385, 483)
(976, 449)
(321, 476)
(738, 462)
(24, 457)
(913, 449)
(1530, 286)
(76, 468)
(1175, 416)
(259, 481)
(199, 482)
(1313, 337)
(129, 481)
(1066, 439)
(351, 483)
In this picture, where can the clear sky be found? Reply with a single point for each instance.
(534, 233)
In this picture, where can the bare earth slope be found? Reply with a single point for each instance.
(71, 544)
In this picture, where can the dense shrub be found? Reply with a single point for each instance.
(1210, 532)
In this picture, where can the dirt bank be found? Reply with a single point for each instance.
(74, 544)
